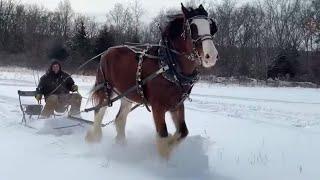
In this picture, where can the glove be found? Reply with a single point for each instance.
(38, 97)
(74, 88)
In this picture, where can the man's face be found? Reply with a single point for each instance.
(55, 68)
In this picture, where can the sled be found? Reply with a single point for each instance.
(35, 110)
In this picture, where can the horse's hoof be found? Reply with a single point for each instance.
(175, 139)
(93, 136)
(121, 140)
(165, 145)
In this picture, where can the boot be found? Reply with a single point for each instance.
(75, 103)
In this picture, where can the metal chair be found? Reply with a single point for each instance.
(29, 109)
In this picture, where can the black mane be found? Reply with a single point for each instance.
(174, 27)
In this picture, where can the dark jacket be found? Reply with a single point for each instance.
(50, 81)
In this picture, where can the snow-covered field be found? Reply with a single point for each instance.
(235, 133)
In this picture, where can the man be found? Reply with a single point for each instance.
(56, 85)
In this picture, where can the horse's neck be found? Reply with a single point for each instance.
(187, 67)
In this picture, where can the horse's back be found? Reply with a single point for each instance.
(117, 53)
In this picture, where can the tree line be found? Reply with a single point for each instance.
(251, 37)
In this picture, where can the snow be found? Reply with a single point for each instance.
(235, 133)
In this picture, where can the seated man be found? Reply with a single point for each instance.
(56, 85)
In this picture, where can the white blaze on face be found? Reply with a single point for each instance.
(209, 56)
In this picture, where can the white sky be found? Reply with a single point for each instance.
(99, 8)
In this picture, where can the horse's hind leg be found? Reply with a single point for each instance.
(179, 121)
(121, 119)
(95, 134)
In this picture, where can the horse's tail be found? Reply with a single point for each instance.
(98, 93)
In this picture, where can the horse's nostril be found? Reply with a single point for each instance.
(217, 56)
(207, 56)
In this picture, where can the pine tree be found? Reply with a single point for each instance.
(104, 40)
(80, 42)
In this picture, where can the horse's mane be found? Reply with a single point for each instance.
(174, 26)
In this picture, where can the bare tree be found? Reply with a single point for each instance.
(64, 16)
(137, 12)
(121, 19)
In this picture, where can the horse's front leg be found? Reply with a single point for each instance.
(165, 141)
(179, 121)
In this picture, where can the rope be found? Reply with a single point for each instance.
(85, 121)
(63, 127)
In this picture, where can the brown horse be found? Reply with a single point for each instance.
(186, 44)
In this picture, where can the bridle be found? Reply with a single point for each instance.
(195, 55)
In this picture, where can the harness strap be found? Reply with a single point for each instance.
(185, 95)
(139, 80)
(136, 49)
(150, 77)
(107, 87)
(142, 51)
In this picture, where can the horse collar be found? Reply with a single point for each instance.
(174, 74)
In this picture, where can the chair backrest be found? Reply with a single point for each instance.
(27, 93)
(30, 109)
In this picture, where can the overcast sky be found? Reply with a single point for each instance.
(99, 8)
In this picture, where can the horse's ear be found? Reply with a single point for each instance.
(184, 9)
(202, 10)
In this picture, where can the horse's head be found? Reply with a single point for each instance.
(192, 34)
(201, 29)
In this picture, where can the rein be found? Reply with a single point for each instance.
(80, 67)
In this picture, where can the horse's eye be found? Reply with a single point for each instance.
(194, 31)
(213, 27)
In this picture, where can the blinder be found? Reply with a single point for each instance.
(191, 29)
(213, 27)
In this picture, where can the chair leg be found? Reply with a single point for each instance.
(23, 120)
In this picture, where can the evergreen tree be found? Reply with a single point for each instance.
(80, 43)
(104, 40)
